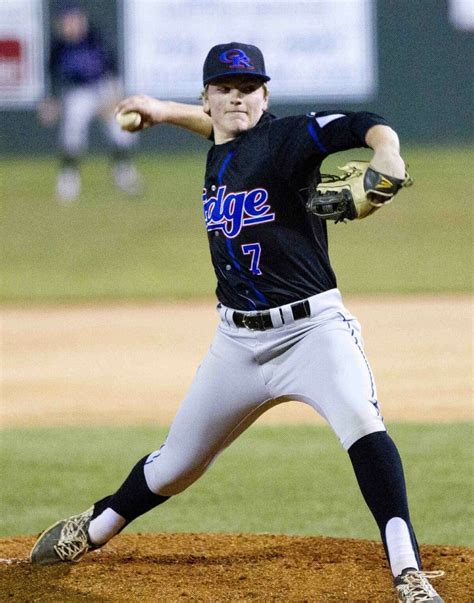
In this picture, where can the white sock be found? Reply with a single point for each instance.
(105, 525)
(400, 548)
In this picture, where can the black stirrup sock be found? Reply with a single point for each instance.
(133, 498)
(379, 473)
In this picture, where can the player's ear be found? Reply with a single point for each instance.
(205, 100)
(266, 94)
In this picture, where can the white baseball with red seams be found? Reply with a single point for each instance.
(129, 121)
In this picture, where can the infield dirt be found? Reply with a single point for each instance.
(214, 567)
(132, 365)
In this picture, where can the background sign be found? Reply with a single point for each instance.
(314, 49)
(461, 13)
(21, 52)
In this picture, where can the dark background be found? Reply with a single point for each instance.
(424, 73)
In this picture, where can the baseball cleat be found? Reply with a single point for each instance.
(127, 179)
(68, 186)
(412, 586)
(66, 540)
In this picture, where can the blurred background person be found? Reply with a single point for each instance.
(84, 85)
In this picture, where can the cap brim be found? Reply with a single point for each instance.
(226, 74)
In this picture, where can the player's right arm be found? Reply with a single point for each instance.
(155, 111)
(49, 109)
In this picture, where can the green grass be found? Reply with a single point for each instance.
(422, 242)
(106, 247)
(291, 480)
(109, 247)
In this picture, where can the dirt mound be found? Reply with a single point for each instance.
(230, 567)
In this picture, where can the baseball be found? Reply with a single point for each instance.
(129, 121)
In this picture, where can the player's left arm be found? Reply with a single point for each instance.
(365, 186)
(386, 145)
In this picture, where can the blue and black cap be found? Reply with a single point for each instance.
(71, 8)
(234, 58)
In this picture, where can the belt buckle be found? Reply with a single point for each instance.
(253, 322)
(245, 319)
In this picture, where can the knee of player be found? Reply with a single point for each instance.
(359, 422)
(170, 476)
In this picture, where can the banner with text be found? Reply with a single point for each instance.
(314, 49)
(21, 52)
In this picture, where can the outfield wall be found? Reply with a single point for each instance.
(423, 67)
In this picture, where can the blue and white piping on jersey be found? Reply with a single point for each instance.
(315, 137)
(258, 294)
(224, 165)
(324, 120)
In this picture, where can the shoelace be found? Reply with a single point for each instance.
(416, 585)
(433, 574)
(73, 539)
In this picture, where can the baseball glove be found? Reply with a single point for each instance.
(358, 193)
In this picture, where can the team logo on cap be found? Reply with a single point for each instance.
(237, 59)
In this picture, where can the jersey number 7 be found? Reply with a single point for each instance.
(254, 250)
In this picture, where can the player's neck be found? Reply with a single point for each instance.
(221, 137)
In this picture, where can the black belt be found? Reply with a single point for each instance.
(261, 321)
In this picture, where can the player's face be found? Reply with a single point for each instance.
(73, 26)
(235, 105)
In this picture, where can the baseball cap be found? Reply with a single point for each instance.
(234, 58)
(70, 8)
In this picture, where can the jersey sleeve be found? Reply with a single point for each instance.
(299, 143)
(107, 53)
(53, 67)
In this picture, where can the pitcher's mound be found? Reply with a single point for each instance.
(224, 567)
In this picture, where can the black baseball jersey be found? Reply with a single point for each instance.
(79, 63)
(265, 248)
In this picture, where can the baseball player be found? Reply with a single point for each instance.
(284, 332)
(84, 85)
